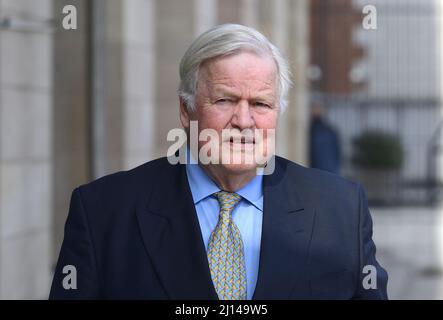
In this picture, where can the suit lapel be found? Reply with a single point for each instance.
(172, 238)
(286, 234)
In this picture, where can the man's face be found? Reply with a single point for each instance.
(236, 92)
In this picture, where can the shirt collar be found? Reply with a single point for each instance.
(253, 192)
(202, 186)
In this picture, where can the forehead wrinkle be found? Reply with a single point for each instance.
(258, 83)
(232, 90)
(216, 67)
(214, 77)
(248, 76)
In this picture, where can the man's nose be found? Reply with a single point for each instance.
(242, 117)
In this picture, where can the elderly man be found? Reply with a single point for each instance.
(223, 228)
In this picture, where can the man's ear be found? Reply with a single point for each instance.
(184, 114)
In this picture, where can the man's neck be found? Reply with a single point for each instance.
(228, 181)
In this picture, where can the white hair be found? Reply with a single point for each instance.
(224, 40)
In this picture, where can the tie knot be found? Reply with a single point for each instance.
(227, 200)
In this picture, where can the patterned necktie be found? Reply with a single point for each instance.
(225, 252)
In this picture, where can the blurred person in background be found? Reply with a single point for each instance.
(324, 142)
(220, 230)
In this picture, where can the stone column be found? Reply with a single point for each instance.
(71, 116)
(205, 15)
(138, 81)
(298, 51)
(174, 32)
(26, 134)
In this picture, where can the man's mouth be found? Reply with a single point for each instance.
(242, 140)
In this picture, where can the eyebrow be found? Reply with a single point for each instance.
(224, 90)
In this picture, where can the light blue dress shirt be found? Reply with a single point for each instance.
(247, 216)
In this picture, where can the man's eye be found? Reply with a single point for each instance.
(262, 104)
(223, 100)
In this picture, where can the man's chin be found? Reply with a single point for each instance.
(239, 168)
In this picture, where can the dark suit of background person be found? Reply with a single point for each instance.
(324, 144)
(138, 234)
(135, 234)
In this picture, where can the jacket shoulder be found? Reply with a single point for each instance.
(124, 186)
(318, 182)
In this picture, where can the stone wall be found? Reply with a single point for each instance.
(26, 110)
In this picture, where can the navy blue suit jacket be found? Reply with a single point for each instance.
(135, 234)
